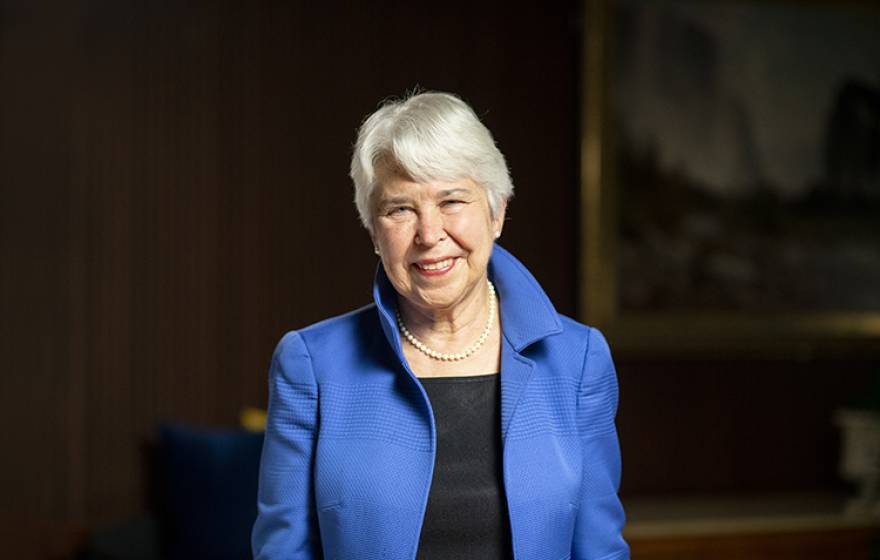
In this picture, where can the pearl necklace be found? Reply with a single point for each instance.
(431, 353)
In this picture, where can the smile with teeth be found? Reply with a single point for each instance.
(440, 265)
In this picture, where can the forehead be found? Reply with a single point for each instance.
(397, 187)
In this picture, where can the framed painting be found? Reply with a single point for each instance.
(730, 175)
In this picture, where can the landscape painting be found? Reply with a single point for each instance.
(746, 153)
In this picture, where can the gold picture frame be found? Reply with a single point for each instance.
(798, 334)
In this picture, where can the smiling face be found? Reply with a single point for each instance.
(435, 239)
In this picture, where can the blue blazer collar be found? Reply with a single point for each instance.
(526, 312)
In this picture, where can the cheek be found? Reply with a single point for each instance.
(394, 247)
(389, 237)
(474, 233)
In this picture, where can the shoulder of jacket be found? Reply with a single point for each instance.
(572, 326)
(296, 342)
(592, 346)
(576, 329)
(340, 324)
(575, 333)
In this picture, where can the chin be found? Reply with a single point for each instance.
(438, 303)
(440, 297)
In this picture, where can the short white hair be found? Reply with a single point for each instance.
(426, 137)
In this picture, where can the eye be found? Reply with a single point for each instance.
(452, 202)
(397, 210)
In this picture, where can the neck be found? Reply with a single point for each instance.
(450, 325)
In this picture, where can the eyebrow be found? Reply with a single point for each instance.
(393, 201)
(450, 192)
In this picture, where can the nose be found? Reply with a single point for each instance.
(430, 229)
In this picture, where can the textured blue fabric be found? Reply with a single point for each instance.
(209, 484)
(350, 442)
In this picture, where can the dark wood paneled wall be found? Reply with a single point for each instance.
(174, 196)
(734, 426)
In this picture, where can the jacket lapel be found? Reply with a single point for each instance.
(527, 316)
(515, 373)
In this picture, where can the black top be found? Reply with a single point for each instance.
(466, 517)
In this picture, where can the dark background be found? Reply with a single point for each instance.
(174, 197)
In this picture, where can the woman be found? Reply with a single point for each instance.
(459, 416)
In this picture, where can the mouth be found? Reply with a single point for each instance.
(436, 267)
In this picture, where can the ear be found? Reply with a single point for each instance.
(498, 221)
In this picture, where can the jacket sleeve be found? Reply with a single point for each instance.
(287, 526)
(600, 517)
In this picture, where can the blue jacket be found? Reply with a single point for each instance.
(350, 441)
